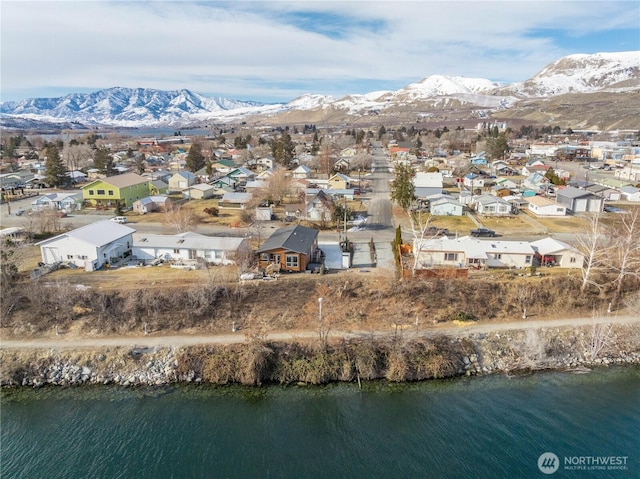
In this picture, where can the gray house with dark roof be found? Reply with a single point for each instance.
(293, 248)
(579, 201)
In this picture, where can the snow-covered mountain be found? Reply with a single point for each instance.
(581, 74)
(127, 107)
(610, 72)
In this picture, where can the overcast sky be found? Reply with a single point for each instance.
(276, 51)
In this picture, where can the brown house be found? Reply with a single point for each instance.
(293, 248)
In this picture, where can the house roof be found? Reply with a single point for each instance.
(187, 175)
(98, 234)
(187, 240)
(630, 190)
(202, 187)
(298, 239)
(541, 201)
(571, 192)
(340, 176)
(427, 180)
(546, 246)
(121, 181)
(236, 197)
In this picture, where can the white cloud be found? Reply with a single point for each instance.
(253, 50)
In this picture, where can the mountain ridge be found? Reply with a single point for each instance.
(617, 72)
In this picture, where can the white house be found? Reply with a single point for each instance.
(542, 206)
(446, 206)
(151, 203)
(473, 253)
(189, 246)
(301, 172)
(473, 181)
(562, 254)
(490, 205)
(427, 184)
(58, 201)
(90, 246)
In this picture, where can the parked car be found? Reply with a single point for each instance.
(483, 232)
(19, 212)
(119, 219)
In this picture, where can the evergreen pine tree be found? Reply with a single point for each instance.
(54, 168)
(195, 158)
(103, 161)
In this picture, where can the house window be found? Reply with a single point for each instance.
(84, 256)
(291, 261)
(110, 192)
(559, 210)
(498, 256)
(527, 259)
(69, 256)
(101, 192)
(274, 258)
(176, 250)
(451, 256)
(90, 192)
(572, 260)
(264, 257)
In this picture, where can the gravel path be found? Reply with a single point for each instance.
(60, 342)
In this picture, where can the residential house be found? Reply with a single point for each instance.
(189, 247)
(224, 185)
(114, 190)
(579, 201)
(76, 176)
(90, 247)
(630, 193)
(264, 213)
(265, 163)
(536, 181)
(223, 166)
(292, 247)
(236, 201)
(319, 208)
(339, 182)
(427, 184)
(181, 181)
(151, 203)
(241, 175)
(58, 201)
(473, 181)
(301, 172)
(158, 187)
(446, 206)
(472, 253)
(542, 206)
(255, 185)
(489, 205)
(550, 251)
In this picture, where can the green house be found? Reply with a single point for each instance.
(114, 190)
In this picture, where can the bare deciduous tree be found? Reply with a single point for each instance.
(591, 247)
(180, 218)
(623, 253)
(278, 186)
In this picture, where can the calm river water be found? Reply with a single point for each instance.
(490, 427)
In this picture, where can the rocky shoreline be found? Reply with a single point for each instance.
(396, 359)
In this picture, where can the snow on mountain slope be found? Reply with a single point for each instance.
(135, 107)
(580, 74)
(126, 107)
